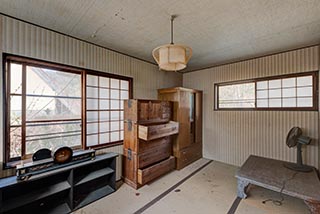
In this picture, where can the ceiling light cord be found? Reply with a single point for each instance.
(172, 18)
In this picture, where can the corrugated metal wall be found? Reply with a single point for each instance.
(23, 39)
(231, 136)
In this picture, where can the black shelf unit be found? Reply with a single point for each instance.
(62, 190)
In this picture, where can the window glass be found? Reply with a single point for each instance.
(304, 92)
(124, 95)
(237, 96)
(263, 103)
(104, 93)
(115, 83)
(262, 85)
(15, 110)
(124, 85)
(275, 103)
(115, 94)
(274, 84)
(92, 92)
(274, 93)
(304, 81)
(304, 102)
(289, 102)
(289, 92)
(263, 94)
(92, 80)
(16, 74)
(288, 82)
(15, 142)
(104, 82)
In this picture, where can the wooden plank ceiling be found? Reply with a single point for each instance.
(218, 31)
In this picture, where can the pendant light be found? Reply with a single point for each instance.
(172, 57)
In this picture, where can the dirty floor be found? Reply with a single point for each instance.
(210, 190)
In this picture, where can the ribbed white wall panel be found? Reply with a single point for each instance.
(24, 39)
(231, 136)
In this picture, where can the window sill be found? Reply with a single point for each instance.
(14, 164)
(107, 145)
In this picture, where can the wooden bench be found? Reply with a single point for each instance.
(272, 174)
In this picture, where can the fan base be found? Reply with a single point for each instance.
(298, 167)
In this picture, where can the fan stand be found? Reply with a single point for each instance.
(298, 166)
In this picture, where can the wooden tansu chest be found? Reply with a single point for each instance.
(187, 147)
(148, 132)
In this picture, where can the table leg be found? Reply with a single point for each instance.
(242, 187)
(314, 206)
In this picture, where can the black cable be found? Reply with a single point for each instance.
(279, 202)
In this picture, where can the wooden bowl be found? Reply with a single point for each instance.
(63, 155)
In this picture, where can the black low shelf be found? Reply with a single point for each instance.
(62, 190)
(95, 174)
(35, 195)
(95, 195)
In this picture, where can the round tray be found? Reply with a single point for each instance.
(63, 155)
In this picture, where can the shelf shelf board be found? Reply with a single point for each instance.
(62, 208)
(95, 174)
(35, 195)
(95, 195)
(10, 181)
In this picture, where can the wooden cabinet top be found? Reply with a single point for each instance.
(176, 89)
(147, 111)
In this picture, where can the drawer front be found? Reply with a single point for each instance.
(152, 132)
(160, 111)
(147, 111)
(145, 146)
(154, 155)
(148, 174)
(188, 155)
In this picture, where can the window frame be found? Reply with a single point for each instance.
(26, 61)
(315, 99)
(101, 74)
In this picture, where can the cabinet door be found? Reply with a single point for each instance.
(198, 117)
(184, 120)
(192, 117)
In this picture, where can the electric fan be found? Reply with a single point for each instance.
(295, 138)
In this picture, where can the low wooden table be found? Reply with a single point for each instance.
(272, 174)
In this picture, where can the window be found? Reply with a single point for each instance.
(105, 109)
(290, 92)
(50, 105)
